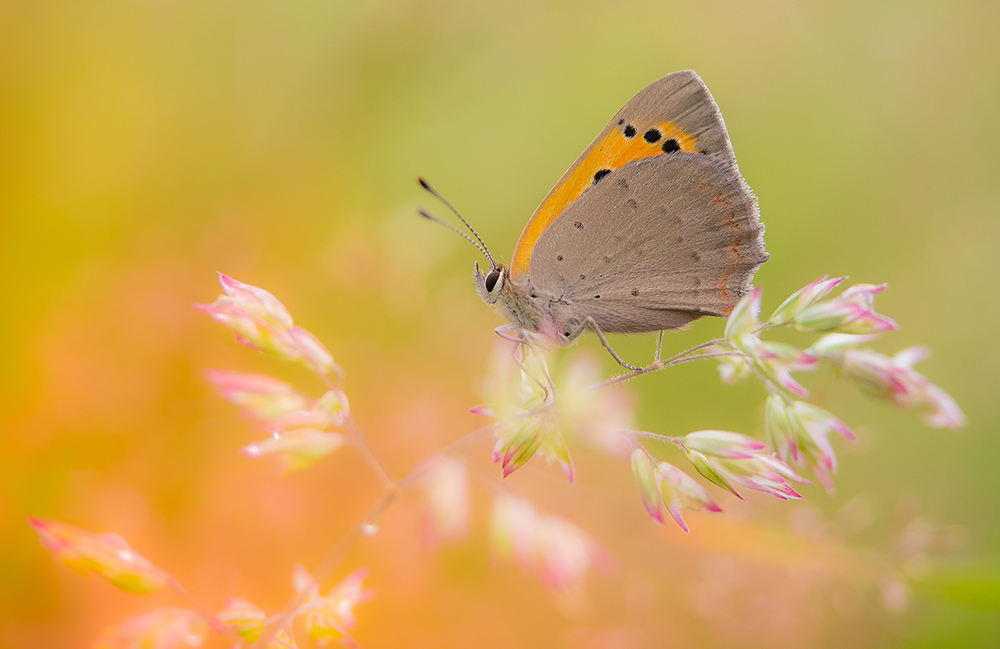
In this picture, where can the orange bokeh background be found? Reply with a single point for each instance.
(145, 145)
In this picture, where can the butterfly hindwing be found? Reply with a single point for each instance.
(654, 245)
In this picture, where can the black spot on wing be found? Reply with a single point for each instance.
(629, 131)
(601, 173)
(652, 135)
(670, 146)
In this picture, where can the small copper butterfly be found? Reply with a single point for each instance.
(651, 228)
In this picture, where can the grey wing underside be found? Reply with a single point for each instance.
(654, 245)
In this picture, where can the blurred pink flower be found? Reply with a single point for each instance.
(446, 491)
(109, 555)
(263, 323)
(527, 425)
(259, 395)
(558, 550)
(833, 346)
(312, 351)
(800, 434)
(567, 554)
(331, 617)
(331, 409)
(804, 298)
(168, 628)
(814, 448)
(773, 362)
(277, 404)
(852, 312)
(893, 379)
(596, 417)
(243, 618)
(895, 594)
(776, 361)
(732, 368)
(296, 449)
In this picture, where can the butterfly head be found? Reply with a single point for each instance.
(490, 285)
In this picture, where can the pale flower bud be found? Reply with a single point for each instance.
(260, 396)
(853, 312)
(804, 298)
(647, 479)
(755, 470)
(263, 323)
(331, 617)
(109, 555)
(168, 628)
(243, 618)
(296, 449)
(834, 346)
(744, 318)
(722, 443)
(311, 350)
(681, 491)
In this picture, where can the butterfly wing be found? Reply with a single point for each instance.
(655, 244)
(673, 115)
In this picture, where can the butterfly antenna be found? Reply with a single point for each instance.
(431, 217)
(481, 245)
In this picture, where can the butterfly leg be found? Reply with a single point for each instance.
(590, 323)
(503, 329)
(659, 347)
(524, 346)
(546, 385)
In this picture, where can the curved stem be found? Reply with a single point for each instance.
(323, 572)
(420, 470)
(676, 441)
(202, 610)
(376, 463)
(677, 359)
(335, 556)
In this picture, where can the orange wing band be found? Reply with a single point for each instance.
(613, 151)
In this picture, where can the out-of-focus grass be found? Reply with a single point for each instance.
(145, 145)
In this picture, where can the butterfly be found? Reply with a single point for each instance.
(651, 228)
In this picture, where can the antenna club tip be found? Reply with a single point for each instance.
(423, 183)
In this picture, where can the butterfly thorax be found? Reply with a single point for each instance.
(522, 305)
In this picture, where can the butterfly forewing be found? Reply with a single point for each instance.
(671, 116)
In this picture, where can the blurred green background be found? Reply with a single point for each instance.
(146, 144)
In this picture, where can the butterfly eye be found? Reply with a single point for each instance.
(492, 279)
